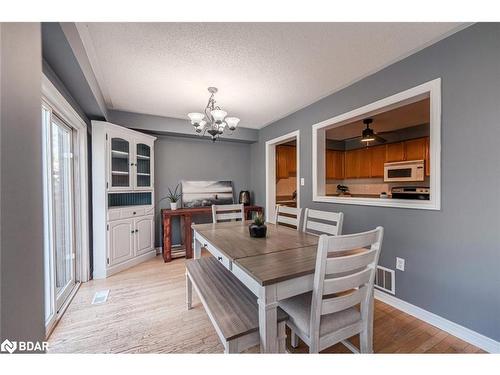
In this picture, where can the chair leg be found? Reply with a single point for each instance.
(231, 347)
(294, 339)
(189, 293)
(281, 337)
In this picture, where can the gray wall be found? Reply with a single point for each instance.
(453, 255)
(179, 159)
(22, 314)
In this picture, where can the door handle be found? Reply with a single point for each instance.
(219, 258)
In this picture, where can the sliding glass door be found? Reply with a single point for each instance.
(59, 208)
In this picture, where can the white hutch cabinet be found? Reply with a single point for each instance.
(123, 197)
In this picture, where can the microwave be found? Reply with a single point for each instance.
(402, 171)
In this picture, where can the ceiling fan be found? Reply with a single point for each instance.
(368, 134)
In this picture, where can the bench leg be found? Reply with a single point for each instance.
(294, 339)
(231, 347)
(189, 292)
(281, 337)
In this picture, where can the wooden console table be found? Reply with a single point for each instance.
(187, 214)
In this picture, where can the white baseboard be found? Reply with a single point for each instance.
(454, 329)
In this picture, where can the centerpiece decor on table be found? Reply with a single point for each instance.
(258, 228)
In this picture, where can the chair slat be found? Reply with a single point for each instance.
(323, 215)
(354, 241)
(336, 304)
(341, 284)
(229, 216)
(350, 262)
(288, 210)
(227, 212)
(287, 220)
(322, 227)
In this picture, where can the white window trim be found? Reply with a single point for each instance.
(271, 172)
(54, 99)
(431, 88)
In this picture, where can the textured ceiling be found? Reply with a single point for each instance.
(264, 71)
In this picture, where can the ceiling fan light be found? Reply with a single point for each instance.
(196, 118)
(368, 135)
(218, 115)
(232, 122)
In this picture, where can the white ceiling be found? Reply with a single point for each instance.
(264, 71)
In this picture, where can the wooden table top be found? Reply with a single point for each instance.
(234, 241)
(284, 254)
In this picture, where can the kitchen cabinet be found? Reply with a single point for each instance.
(334, 162)
(351, 164)
(395, 152)
(364, 162)
(121, 241)
(427, 157)
(130, 161)
(286, 161)
(415, 149)
(144, 234)
(377, 160)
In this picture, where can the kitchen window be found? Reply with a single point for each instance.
(386, 153)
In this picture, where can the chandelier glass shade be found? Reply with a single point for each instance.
(213, 121)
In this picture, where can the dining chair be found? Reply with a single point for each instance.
(289, 216)
(227, 212)
(322, 222)
(343, 279)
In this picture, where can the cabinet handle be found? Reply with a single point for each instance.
(132, 232)
(137, 230)
(134, 212)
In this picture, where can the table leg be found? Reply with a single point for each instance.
(197, 248)
(167, 239)
(188, 237)
(268, 319)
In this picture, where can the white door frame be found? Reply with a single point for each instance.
(271, 171)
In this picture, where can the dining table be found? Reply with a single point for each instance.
(278, 266)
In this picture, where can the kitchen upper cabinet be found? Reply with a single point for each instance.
(334, 164)
(286, 161)
(364, 162)
(120, 162)
(351, 164)
(415, 149)
(377, 160)
(143, 175)
(395, 152)
(427, 157)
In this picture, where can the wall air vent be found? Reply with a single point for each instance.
(385, 279)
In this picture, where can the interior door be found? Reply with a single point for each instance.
(62, 192)
(144, 234)
(121, 240)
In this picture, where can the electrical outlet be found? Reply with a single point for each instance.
(302, 182)
(400, 264)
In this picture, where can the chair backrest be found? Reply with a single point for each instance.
(290, 216)
(323, 222)
(227, 212)
(344, 275)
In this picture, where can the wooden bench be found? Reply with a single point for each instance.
(231, 306)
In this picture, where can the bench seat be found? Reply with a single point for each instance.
(231, 306)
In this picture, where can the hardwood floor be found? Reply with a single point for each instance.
(146, 313)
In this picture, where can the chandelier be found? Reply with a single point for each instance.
(213, 121)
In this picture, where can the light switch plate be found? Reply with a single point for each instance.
(400, 264)
(302, 182)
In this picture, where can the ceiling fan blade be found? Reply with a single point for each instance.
(378, 138)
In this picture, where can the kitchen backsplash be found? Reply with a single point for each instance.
(369, 186)
(286, 186)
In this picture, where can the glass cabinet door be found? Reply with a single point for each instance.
(143, 170)
(120, 163)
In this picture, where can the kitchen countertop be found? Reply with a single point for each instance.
(358, 196)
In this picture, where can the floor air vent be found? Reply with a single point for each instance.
(100, 297)
(385, 279)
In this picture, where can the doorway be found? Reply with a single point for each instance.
(282, 172)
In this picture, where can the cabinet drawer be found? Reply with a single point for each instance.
(114, 214)
(218, 255)
(132, 212)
